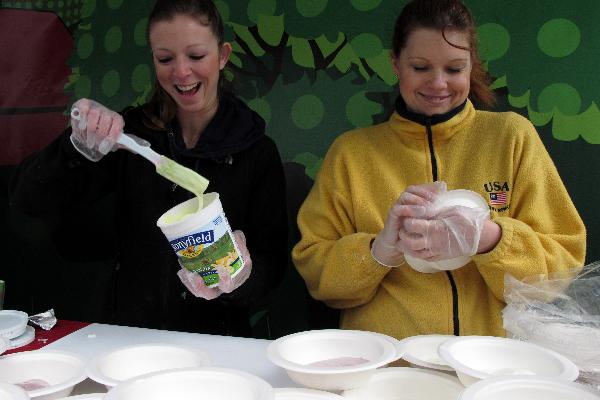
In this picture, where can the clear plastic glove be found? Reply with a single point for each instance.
(451, 232)
(424, 194)
(95, 129)
(387, 249)
(195, 284)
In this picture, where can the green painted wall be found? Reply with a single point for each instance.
(314, 69)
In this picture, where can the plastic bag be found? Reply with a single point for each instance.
(561, 312)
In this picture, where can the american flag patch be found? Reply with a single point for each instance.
(498, 199)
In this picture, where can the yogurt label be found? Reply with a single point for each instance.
(207, 248)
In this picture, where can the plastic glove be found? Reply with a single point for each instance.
(387, 249)
(195, 284)
(95, 129)
(452, 232)
(424, 194)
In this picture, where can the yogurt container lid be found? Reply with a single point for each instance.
(24, 339)
(12, 323)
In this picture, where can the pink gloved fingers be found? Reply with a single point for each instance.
(109, 142)
(226, 284)
(454, 232)
(195, 285)
(386, 248)
(423, 194)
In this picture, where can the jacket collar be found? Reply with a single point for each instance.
(234, 128)
(443, 126)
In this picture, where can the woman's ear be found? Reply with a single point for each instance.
(224, 54)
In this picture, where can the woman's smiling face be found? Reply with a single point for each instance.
(188, 62)
(434, 76)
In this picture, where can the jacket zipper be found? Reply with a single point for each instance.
(434, 171)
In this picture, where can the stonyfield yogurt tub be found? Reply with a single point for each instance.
(202, 238)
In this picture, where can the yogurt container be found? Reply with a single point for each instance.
(202, 239)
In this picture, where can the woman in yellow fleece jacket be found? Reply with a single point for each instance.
(375, 183)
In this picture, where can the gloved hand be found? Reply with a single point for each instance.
(452, 232)
(195, 284)
(387, 248)
(95, 129)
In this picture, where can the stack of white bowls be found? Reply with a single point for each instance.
(14, 328)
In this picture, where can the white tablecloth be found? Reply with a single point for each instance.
(244, 354)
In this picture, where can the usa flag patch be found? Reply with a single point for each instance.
(498, 199)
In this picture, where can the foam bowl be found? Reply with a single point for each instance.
(12, 392)
(422, 351)
(480, 357)
(527, 388)
(46, 375)
(333, 359)
(402, 383)
(4, 344)
(304, 394)
(120, 364)
(193, 384)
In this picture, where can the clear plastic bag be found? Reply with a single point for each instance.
(561, 312)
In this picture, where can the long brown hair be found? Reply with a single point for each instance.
(444, 15)
(162, 108)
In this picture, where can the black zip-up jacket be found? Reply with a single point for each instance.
(242, 165)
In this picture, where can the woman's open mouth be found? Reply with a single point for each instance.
(188, 90)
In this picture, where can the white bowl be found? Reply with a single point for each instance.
(458, 197)
(347, 358)
(4, 344)
(193, 384)
(304, 394)
(12, 392)
(58, 371)
(120, 364)
(527, 388)
(89, 396)
(480, 357)
(402, 383)
(422, 351)
(12, 323)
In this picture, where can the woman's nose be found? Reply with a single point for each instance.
(181, 68)
(438, 80)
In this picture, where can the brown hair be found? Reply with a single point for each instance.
(162, 108)
(445, 15)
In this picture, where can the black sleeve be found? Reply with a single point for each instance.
(266, 229)
(50, 182)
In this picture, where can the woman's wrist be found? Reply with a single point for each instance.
(491, 233)
(397, 260)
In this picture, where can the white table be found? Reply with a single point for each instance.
(244, 354)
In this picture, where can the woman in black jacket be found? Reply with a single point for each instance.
(190, 120)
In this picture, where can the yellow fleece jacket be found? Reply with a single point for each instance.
(498, 155)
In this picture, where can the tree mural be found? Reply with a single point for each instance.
(314, 69)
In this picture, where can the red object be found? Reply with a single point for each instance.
(36, 46)
(42, 337)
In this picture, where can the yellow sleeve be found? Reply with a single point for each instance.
(332, 257)
(543, 232)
